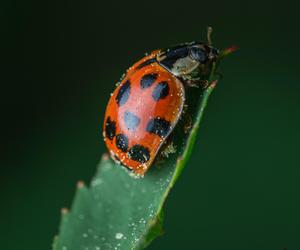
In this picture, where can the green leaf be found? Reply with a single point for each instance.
(119, 211)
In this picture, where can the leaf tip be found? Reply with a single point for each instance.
(213, 84)
(80, 184)
(54, 242)
(64, 211)
(105, 156)
(228, 51)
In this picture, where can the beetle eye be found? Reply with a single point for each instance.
(198, 54)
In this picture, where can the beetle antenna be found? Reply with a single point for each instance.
(209, 32)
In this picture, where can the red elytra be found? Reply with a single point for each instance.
(141, 113)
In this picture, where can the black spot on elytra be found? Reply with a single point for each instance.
(139, 153)
(159, 126)
(131, 120)
(110, 128)
(123, 94)
(122, 142)
(161, 91)
(147, 62)
(148, 80)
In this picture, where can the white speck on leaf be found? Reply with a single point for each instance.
(81, 217)
(96, 182)
(119, 236)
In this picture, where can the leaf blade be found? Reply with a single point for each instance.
(121, 212)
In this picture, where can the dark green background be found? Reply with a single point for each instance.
(59, 63)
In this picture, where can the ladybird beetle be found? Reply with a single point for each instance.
(147, 104)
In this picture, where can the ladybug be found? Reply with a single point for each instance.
(147, 104)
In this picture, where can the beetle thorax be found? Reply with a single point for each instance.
(188, 61)
(184, 66)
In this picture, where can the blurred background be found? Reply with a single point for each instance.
(60, 60)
